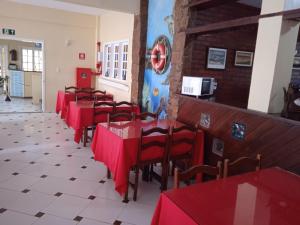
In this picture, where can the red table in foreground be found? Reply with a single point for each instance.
(117, 145)
(267, 197)
(81, 114)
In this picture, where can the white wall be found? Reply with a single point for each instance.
(54, 28)
(114, 27)
(127, 6)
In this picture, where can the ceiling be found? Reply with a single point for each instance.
(255, 3)
(91, 7)
(100, 7)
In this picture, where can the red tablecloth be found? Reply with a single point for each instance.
(117, 145)
(63, 99)
(62, 102)
(80, 115)
(267, 197)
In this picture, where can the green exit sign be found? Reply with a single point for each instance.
(8, 31)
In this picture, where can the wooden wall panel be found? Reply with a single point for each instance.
(277, 139)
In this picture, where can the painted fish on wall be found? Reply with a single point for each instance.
(158, 56)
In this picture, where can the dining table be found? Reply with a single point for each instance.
(63, 100)
(266, 197)
(80, 115)
(116, 145)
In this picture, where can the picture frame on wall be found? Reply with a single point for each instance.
(216, 58)
(243, 58)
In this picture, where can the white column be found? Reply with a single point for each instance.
(274, 54)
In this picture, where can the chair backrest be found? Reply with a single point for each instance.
(146, 115)
(241, 165)
(116, 117)
(193, 171)
(84, 95)
(187, 140)
(103, 97)
(102, 109)
(98, 92)
(129, 106)
(70, 89)
(87, 89)
(159, 143)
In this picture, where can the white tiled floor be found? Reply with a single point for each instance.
(38, 158)
(18, 105)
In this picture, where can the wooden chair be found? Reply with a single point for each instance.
(103, 108)
(193, 171)
(119, 116)
(124, 103)
(142, 159)
(70, 89)
(182, 148)
(241, 165)
(83, 95)
(146, 115)
(98, 110)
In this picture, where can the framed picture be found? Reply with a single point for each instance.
(243, 58)
(238, 131)
(218, 147)
(205, 120)
(296, 62)
(216, 58)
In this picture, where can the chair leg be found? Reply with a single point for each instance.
(151, 173)
(85, 137)
(164, 177)
(173, 168)
(108, 174)
(127, 190)
(137, 170)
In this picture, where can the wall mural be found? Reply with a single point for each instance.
(158, 56)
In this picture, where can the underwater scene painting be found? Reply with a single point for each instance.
(158, 56)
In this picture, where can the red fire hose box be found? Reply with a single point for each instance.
(84, 77)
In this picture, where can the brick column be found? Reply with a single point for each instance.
(181, 19)
(139, 52)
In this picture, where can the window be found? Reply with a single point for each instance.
(32, 60)
(107, 60)
(124, 61)
(116, 60)
(38, 60)
(27, 57)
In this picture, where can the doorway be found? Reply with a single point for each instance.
(21, 76)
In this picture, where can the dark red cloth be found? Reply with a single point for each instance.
(117, 145)
(270, 196)
(81, 114)
(62, 102)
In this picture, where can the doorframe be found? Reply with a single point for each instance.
(13, 38)
(6, 50)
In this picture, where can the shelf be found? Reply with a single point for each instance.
(206, 4)
(226, 25)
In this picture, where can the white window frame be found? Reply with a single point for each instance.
(112, 70)
(34, 69)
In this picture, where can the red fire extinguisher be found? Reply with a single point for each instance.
(99, 63)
